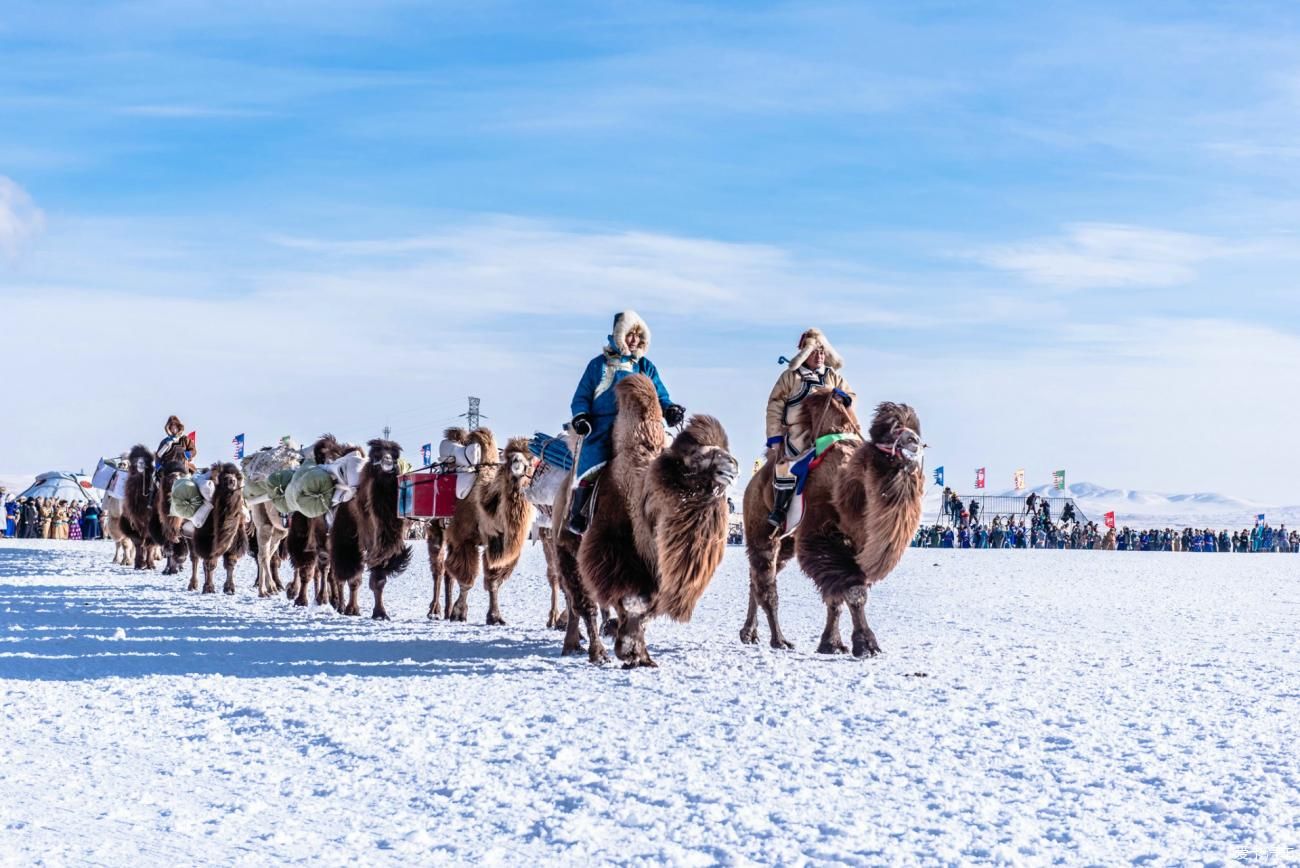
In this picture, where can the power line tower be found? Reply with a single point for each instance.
(387, 432)
(472, 417)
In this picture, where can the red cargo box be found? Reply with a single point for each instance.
(427, 495)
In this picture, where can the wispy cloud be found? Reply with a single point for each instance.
(1105, 255)
(20, 220)
(189, 111)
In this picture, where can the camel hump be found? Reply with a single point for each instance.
(637, 394)
(702, 431)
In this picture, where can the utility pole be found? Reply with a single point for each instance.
(472, 418)
(387, 431)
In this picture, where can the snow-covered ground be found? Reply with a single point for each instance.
(1086, 707)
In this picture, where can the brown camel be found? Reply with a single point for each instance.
(495, 515)
(137, 507)
(165, 529)
(308, 538)
(223, 535)
(862, 505)
(658, 528)
(368, 532)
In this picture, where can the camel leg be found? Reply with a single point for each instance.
(194, 571)
(299, 588)
(749, 630)
(460, 610)
(209, 567)
(140, 554)
(378, 579)
(493, 579)
(434, 541)
(435, 605)
(229, 586)
(864, 641)
(630, 644)
(553, 617)
(831, 642)
(354, 592)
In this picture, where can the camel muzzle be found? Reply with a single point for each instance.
(386, 464)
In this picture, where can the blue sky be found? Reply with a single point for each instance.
(1068, 235)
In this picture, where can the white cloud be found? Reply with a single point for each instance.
(1105, 255)
(20, 220)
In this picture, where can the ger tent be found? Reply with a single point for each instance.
(62, 486)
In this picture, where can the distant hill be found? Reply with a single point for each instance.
(1137, 507)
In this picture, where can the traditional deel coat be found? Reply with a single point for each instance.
(797, 383)
(595, 392)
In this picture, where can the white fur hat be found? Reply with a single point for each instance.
(813, 338)
(626, 322)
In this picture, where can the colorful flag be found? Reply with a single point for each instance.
(1259, 519)
(194, 444)
(1110, 520)
(285, 439)
(426, 452)
(1058, 480)
(979, 478)
(938, 476)
(238, 443)
(1020, 480)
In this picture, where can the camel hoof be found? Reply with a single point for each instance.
(571, 649)
(495, 621)
(749, 635)
(782, 644)
(208, 589)
(865, 646)
(380, 615)
(643, 662)
(598, 656)
(832, 648)
(300, 601)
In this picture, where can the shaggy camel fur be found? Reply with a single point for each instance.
(368, 532)
(659, 520)
(224, 534)
(496, 514)
(308, 538)
(166, 530)
(137, 508)
(862, 507)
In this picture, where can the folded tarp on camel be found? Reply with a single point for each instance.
(552, 450)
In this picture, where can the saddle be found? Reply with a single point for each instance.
(802, 469)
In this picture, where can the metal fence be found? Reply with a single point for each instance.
(991, 506)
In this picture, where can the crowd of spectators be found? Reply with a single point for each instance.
(46, 518)
(1034, 528)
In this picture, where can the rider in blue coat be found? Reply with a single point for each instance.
(594, 407)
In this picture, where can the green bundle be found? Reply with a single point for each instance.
(311, 492)
(186, 498)
(276, 485)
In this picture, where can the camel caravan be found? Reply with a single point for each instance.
(629, 503)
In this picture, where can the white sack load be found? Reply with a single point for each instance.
(465, 458)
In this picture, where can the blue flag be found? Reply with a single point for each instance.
(1259, 519)
(238, 443)
(426, 451)
(938, 476)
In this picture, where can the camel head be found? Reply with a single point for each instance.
(383, 456)
(517, 459)
(226, 477)
(824, 413)
(896, 434)
(705, 458)
(140, 460)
